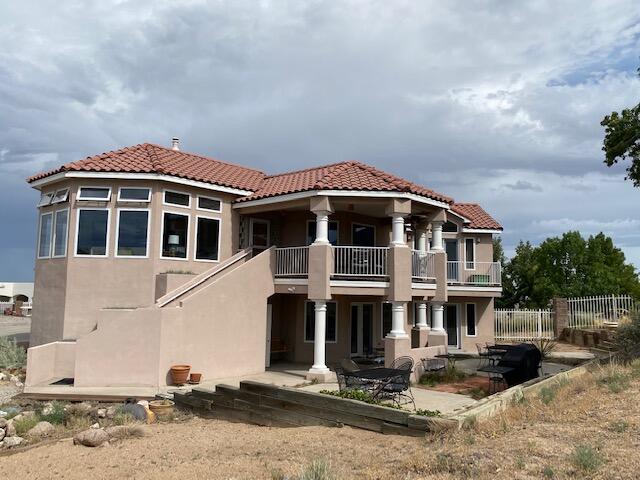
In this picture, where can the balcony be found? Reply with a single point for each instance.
(479, 274)
(363, 262)
(292, 262)
(423, 265)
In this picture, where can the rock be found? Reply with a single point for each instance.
(2, 434)
(3, 422)
(28, 414)
(102, 413)
(95, 425)
(137, 411)
(122, 431)
(19, 384)
(3, 413)
(3, 377)
(83, 408)
(17, 418)
(13, 379)
(12, 441)
(111, 411)
(91, 438)
(42, 429)
(47, 409)
(10, 429)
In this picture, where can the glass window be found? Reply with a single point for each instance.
(470, 253)
(45, 199)
(94, 193)
(133, 228)
(174, 235)
(91, 237)
(310, 322)
(471, 319)
(61, 232)
(364, 235)
(207, 238)
(134, 194)
(449, 227)
(61, 196)
(206, 203)
(333, 232)
(386, 319)
(44, 241)
(175, 198)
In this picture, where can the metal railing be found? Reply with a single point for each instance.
(4, 306)
(474, 273)
(523, 325)
(594, 312)
(292, 261)
(350, 261)
(423, 264)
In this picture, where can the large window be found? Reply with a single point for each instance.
(310, 322)
(133, 232)
(207, 238)
(175, 231)
(177, 198)
(469, 253)
(61, 230)
(386, 319)
(471, 319)
(92, 232)
(44, 236)
(449, 227)
(102, 194)
(311, 232)
(134, 194)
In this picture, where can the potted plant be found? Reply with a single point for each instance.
(161, 408)
(180, 374)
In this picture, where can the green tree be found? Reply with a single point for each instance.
(622, 140)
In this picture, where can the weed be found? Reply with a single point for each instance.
(619, 426)
(428, 413)
(614, 378)
(470, 422)
(11, 355)
(469, 439)
(24, 424)
(56, 416)
(318, 470)
(547, 395)
(587, 458)
(476, 393)
(123, 418)
(520, 463)
(547, 472)
(361, 396)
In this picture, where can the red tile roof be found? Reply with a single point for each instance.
(340, 176)
(476, 215)
(149, 158)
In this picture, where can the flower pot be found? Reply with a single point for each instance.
(161, 408)
(195, 378)
(180, 374)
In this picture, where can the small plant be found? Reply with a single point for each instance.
(476, 393)
(587, 458)
(547, 395)
(56, 415)
(428, 413)
(520, 463)
(12, 355)
(619, 426)
(24, 424)
(361, 396)
(318, 470)
(546, 346)
(448, 375)
(547, 472)
(470, 422)
(123, 418)
(614, 378)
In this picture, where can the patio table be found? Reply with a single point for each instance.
(378, 377)
(496, 374)
(451, 359)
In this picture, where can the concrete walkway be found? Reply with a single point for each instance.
(17, 328)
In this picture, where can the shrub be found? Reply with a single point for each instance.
(24, 424)
(12, 355)
(361, 396)
(448, 375)
(587, 458)
(547, 472)
(614, 378)
(318, 470)
(123, 418)
(619, 426)
(627, 339)
(428, 413)
(56, 416)
(545, 345)
(470, 422)
(547, 395)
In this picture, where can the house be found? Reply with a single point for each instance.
(12, 292)
(149, 256)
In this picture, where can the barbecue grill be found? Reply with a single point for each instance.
(524, 360)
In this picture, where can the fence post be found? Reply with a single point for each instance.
(539, 323)
(560, 313)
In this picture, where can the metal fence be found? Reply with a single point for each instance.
(523, 325)
(594, 312)
(292, 261)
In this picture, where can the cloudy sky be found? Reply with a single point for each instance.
(491, 101)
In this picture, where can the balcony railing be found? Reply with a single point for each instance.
(423, 265)
(484, 274)
(350, 261)
(292, 261)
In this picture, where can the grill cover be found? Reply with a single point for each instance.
(524, 359)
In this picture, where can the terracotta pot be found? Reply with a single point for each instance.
(180, 374)
(161, 408)
(195, 378)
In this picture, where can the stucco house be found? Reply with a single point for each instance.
(149, 256)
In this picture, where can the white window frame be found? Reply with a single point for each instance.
(337, 222)
(49, 196)
(475, 319)
(178, 259)
(195, 239)
(66, 234)
(75, 244)
(473, 240)
(125, 200)
(42, 215)
(375, 232)
(198, 197)
(63, 199)
(252, 222)
(80, 197)
(304, 320)
(127, 209)
(175, 205)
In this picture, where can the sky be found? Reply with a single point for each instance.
(494, 102)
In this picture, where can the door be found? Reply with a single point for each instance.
(363, 235)
(453, 268)
(452, 325)
(259, 234)
(267, 362)
(361, 329)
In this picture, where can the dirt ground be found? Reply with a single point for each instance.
(589, 428)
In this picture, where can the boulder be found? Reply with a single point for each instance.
(136, 411)
(122, 431)
(102, 413)
(91, 438)
(111, 411)
(13, 379)
(10, 429)
(95, 425)
(2, 434)
(3, 377)
(42, 429)
(3, 422)
(12, 441)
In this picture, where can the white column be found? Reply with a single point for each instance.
(421, 320)
(422, 240)
(397, 230)
(436, 234)
(437, 310)
(397, 320)
(319, 338)
(322, 227)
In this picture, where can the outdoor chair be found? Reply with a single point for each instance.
(347, 382)
(402, 363)
(433, 364)
(484, 355)
(349, 365)
(398, 387)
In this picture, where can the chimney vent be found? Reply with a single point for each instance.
(175, 143)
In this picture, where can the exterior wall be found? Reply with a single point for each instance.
(10, 290)
(485, 327)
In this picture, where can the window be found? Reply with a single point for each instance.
(45, 199)
(311, 232)
(449, 227)
(207, 238)
(102, 194)
(44, 236)
(92, 232)
(133, 233)
(61, 230)
(61, 196)
(177, 198)
(386, 319)
(471, 319)
(363, 235)
(207, 203)
(175, 230)
(470, 253)
(310, 322)
(134, 194)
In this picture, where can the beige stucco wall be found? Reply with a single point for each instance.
(484, 322)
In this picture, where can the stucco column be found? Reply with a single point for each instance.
(319, 366)
(398, 320)
(397, 229)
(436, 236)
(437, 310)
(421, 316)
(421, 245)
(322, 227)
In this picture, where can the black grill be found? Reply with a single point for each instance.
(525, 361)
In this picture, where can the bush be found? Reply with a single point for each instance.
(587, 458)
(428, 413)
(547, 472)
(318, 470)
(614, 378)
(56, 416)
(448, 375)
(25, 424)
(619, 426)
(627, 339)
(547, 395)
(12, 355)
(361, 396)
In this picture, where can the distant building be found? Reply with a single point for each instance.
(12, 291)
